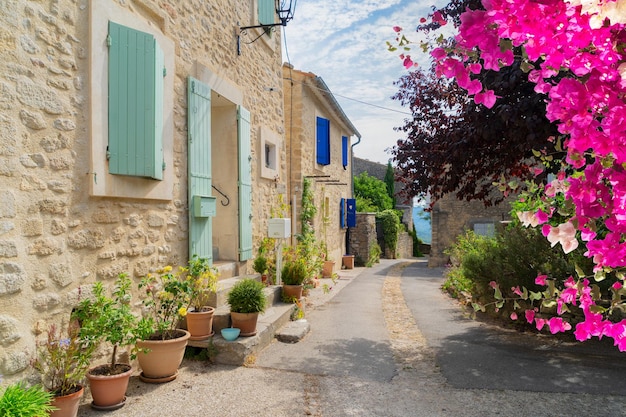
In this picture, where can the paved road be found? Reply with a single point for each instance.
(361, 359)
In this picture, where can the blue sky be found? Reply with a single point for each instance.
(343, 42)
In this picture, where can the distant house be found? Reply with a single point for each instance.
(451, 217)
(318, 139)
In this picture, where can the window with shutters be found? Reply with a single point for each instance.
(344, 151)
(322, 133)
(131, 91)
(270, 156)
(135, 89)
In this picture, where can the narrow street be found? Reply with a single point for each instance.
(389, 343)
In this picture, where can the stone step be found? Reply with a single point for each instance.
(243, 350)
(226, 269)
(221, 317)
(220, 298)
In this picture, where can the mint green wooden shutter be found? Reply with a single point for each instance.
(135, 88)
(267, 12)
(245, 184)
(199, 165)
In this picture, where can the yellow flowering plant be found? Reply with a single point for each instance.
(199, 281)
(165, 302)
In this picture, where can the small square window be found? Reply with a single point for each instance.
(269, 158)
(485, 229)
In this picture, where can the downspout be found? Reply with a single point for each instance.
(352, 191)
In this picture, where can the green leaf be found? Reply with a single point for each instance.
(516, 305)
(536, 153)
(548, 303)
(524, 293)
(478, 307)
(535, 296)
(526, 66)
(500, 304)
(599, 276)
(506, 45)
(579, 271)
(497, 294)
(597, 309)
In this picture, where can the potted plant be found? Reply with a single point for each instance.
(246, 300)
(108, 319)
(200, 280)
(263, 264)
(161, 345)
(294, 273)
(260, 266)
(20, 400)
(62, 360)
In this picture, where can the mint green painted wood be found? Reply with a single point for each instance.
(135, 88)
(199, 165)
(267, 12)
(245, 184)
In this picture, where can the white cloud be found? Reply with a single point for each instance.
(343, 42)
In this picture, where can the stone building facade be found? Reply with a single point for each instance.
(309, 108)
(67, 220)
(451, 217)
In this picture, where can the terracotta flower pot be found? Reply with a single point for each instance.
(108, 391)
(348, 261)
(67, 404)
(200, 323)
(327, 269)
(292, 291)
(163, 357)
(246, 322)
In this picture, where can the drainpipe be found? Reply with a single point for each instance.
(352, 186)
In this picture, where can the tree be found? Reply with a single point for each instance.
(371, 194)
(454, 145)
(390, 182)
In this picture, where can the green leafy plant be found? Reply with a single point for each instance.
(166, 300)
(199, 280)
(295, 270)
(391, 228)
(109, 319)
(247, 296)
(20, 400)
(63, 359)
(374, 255)
(260, 264)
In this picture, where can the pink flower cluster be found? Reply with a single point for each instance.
(594, 324)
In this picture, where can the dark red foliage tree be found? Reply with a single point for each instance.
(453, 145)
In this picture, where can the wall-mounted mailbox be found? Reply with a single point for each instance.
(279, 228)
(204, 206)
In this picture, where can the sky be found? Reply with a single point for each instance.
(343, 42)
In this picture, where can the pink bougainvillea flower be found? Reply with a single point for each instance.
(617, 286)
(541, 279)
(488, 98)
(517, 290)
(397, 29)
(558, 325)
(539, 323)
(438, 18)
(530, 315)
(493, 284)
(565, 234)
(514, 316)
(408, 62)
(618, 332)
(438, 53)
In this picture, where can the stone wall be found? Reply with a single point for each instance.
(451, 217)
(404, 249)
(362, 237)
(56, 239)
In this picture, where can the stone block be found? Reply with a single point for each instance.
(8, 249)
(12, 278)
(9, 330)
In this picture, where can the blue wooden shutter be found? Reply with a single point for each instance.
(344, 151)
(199, 165)
(323, 141)
(135, 88)
(267, 12)
(351, 216)
(245, 184)
(342, 213)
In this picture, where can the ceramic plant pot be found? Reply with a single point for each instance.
(246, 322)
(159, 359)
(67, 404)
(348, 261)
(108, 391)
(200, 323)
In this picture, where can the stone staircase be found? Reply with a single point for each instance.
(244, 349)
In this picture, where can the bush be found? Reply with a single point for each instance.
(391, 228)
(514, 257)
(374, 255)
(247, 296)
